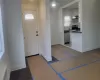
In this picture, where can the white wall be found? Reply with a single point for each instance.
(57, 29)
(91, 24)
(5, 57)
(13, 20)
(54, 25)
(45, 34)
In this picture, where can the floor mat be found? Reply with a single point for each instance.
(40, 70)
(89, 72)
(68, 64)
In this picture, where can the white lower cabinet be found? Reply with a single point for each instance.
(76, 41)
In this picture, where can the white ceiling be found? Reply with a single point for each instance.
(29, 1)
(73, 6)
(63, 2)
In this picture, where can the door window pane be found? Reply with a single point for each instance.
(29, 17)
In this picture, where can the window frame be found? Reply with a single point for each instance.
(2, 50)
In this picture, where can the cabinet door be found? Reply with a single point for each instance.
(76, 41)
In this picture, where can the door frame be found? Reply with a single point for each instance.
(61, 17)
(37, 29)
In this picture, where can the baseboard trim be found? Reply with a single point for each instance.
(90, 50)
(32, 56)
(18, 67)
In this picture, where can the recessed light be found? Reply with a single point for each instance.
(54, 4)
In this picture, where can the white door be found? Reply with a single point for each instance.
(30, 28)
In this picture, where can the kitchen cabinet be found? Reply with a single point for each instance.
(76, 41)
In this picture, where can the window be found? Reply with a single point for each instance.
(1, 36)
(29, 17)
(67, 21)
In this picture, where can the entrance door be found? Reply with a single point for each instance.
(30, 28)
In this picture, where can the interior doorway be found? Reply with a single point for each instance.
(66, 29)
(71, 23)
(70, 15)
(30, 29)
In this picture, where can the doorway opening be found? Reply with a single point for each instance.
(72, 28)
(66, 29)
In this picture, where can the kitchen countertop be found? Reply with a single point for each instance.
(67, 31)
(76, 31)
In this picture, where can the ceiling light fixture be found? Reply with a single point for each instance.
(54, 4)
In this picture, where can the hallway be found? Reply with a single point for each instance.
(69, 65)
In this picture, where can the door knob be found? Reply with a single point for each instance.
(37, 35)
(36, 31)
